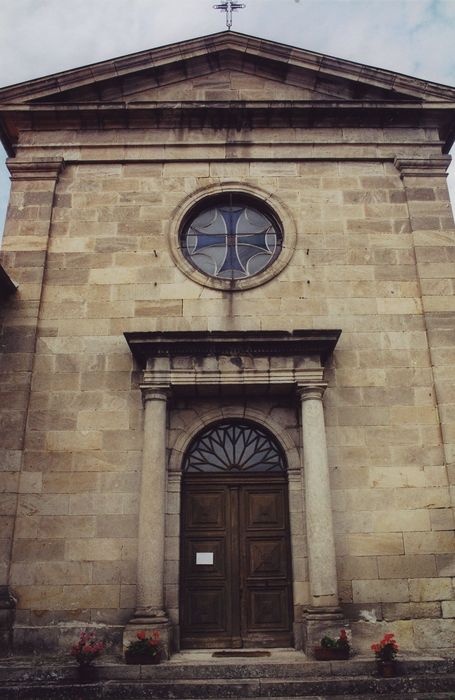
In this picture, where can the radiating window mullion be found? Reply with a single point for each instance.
(234, 445)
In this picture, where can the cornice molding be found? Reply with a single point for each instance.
(216, 47)
(201, 344)
(227, 115)
(433, 166)
(40, 169)
(199, 363)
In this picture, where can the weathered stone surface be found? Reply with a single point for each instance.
(373, 255)
(431, 589)
(379, 591)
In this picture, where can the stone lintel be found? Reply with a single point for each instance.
(298, 344)
(208, 363)
(201, 382)
(430, 166)
(39, 169)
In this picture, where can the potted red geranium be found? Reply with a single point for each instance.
(85, 651)
(143, 649)
(385, 652)
(332, 649)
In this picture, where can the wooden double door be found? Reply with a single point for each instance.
(235, 578)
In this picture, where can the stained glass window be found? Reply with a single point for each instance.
(234, 446)
(231, 239)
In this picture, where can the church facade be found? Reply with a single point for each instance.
(228, 376)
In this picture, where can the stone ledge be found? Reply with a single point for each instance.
(346, 686)
(24, 670)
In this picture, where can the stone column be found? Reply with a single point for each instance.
(150, 614)
(323, 612)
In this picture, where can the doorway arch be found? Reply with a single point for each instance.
(235, 563)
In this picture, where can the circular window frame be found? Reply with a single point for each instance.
(258, 197)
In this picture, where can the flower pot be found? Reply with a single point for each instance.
(87, 673)
(328, 654)
(142, 659)
(387, 669)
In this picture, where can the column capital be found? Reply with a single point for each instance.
(155, 393)
(311, 391)
(40, 169)
(431, 166)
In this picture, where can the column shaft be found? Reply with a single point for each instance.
(318, 508)
(150, 561)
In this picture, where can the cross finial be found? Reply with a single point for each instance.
(229, 7)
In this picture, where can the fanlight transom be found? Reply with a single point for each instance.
(234, 447)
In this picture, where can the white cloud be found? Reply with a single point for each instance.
(39, 37)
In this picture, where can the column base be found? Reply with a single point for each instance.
(150, 622)
(319, 622)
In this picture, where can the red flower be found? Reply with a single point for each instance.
(141, 635)
(156, 634)
(387, 648)
(343, 634)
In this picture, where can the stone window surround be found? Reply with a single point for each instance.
(282, 213)
(227, 364)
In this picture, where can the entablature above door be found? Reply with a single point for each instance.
(220, 362)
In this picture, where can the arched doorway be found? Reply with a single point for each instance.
(235, 571)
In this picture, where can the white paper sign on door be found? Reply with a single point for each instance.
(204, 558)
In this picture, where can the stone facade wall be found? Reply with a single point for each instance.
(24, 252)
(373, 257)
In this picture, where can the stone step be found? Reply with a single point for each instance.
(404, 687)
(191, 690)
(180, 679)
(300, 668)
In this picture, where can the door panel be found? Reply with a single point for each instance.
(266, 571)
(265, 558)
(205, 568)
(235, 562)
(212, 566)
(206, 509)
(267, 610)
(206, 610)
(264, 508)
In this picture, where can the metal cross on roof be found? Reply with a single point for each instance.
(229, 7)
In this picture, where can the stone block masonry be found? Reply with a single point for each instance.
(91, 239)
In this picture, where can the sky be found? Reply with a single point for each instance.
(39, 37)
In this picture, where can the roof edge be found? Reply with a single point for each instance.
(114, 67)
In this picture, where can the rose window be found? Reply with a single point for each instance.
(231, 239)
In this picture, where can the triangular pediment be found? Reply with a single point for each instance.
(244, 83)
(224, 67)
